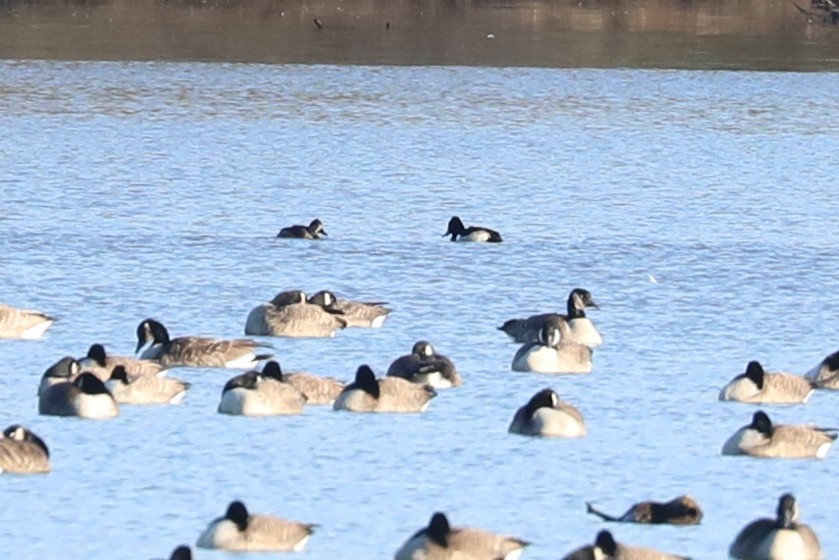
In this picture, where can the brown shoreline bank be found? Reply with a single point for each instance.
(711, 34)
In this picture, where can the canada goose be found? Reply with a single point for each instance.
(86, 397)
(546, 415)
(606, 548)
(252, 394)
(23, 323)
(239, 530)
(286, 315)
(317, 390)
(782, 538)
(22, 452)
(459, 232)
(552, 355)
(826, 374)
(313, 231)
(64, 370)
(195, 351)
(679, 511)
(145, 389)
(580, 328)
(183, 552)
(763, 439)
(757, 386)
(440, 541)
(102, 365)
(356, 313)
(389, 394)
(425, 366)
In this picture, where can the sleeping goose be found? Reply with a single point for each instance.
(441, 541)
(86, 397)
(145, 389)
(313, 231)
(761, 438)
(22, 452)
(355, 313)
(254, 394)
(388, 394)
(23, 323)
(580, 328)
(290, 314)
(551, 354)
(782, 538)
(195, 351)
(757, 386)
(682, 510)
(241, 531)
(317, 390)
(606, 548)
(546, 415)
(64, 370)
(102, 365)
(425, 366)
(480, 234)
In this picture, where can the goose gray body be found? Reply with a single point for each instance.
(546, 415)
(22, 452)
(440, 541)
(260, 394)
(757, 386)
(606, 548)
(24, 324)
(86, 397)
(552, 355)
(388, 394)
(826, 374)
(317, 390)
(781, 538)
(425, 366)
(356, 313)
(145, 389)
(763, 439)
(313, 231)
(102, 365)
(195, 351)
(289, 317)
(580, 329)
(239, 530)
(682, 510)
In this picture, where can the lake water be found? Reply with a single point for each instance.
(133, 190)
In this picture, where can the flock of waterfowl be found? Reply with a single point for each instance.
(97, 385)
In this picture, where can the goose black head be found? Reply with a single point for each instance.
(423, 349)
(96, 352)
(238, 514)
(755, 373)
(272, 369)
(578, 300)
(787, 511)
(90, 384)
(549, 335)
(65, 368)
(365, 380)
(762, 423)
(455, 228)
(316, 228)
(289, 297)
(546, 398)
(438, 529)
(119, 374)
(19, 433)
(606, 542)
(247, 380)
(326, 300)
(151, 331)
(183, 552)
